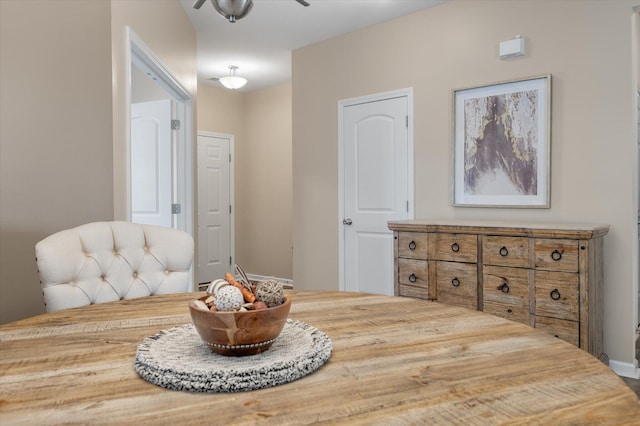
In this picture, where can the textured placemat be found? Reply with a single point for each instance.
(178, 359)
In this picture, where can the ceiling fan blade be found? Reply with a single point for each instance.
(198, 4)
(302, 2)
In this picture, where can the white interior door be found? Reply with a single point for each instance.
(214, 207)
(151, 163)
(376, 190)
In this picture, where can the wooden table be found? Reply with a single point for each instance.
(395, 361)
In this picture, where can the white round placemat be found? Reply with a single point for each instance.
(178, 359)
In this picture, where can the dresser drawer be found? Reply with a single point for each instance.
(505, 293)
(506, 251)
(568, 331)
(455, 247)
(414, 291)
(457, 284)
(413, 272)
(413, 245)
(557, 295)
(556, 255)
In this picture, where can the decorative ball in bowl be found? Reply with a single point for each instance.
(239, 333)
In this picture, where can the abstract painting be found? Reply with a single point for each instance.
(501, 144)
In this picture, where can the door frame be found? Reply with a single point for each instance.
(342, 104)
(232, 229)
(138, 53)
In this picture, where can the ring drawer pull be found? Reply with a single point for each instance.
(455, 282)
(503, 251)
(556, 255)
(412, 278)
(555, 294)
(412, 245)
(455, 247)
(504, 288)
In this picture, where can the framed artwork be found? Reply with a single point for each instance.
(501, 144)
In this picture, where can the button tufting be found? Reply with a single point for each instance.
(104, 270)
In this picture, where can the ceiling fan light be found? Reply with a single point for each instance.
(232, 9)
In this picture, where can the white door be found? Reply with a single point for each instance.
(151, 163)
(214, 207)
(376, 190)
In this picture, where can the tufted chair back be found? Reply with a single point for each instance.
(106, 261)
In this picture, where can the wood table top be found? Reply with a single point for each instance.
(395, 360)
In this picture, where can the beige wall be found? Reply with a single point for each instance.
(266, 161)
(166, 30)
(260, 122)
(63, 99)
(144, 88)
(221, 110)
(586, 46)
(55, 85)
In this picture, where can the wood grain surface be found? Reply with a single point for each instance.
(561, 267)
(536, 230)
(395, 361)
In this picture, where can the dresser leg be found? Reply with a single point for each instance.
(604, 358)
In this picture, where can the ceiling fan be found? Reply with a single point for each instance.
(233, 9)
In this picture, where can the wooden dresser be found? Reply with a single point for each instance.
(548, 276)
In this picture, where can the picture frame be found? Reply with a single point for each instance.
(501, 144)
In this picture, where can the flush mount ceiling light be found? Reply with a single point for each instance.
(232, 81)
(233, 10)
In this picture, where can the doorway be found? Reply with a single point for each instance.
(215, 206)
(151, 81)
(375, 185)
(152, 163)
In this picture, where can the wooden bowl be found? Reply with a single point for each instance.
(240, 333)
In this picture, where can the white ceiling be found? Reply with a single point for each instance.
(260, 44)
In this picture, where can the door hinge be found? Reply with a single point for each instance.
(175, 208)
(230, 262)
(407, 206)
(175, 124)
(229, 157)
(406, 121)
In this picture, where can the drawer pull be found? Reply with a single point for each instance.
(455, 282)
(504, 288)
(412, 278)
(555, 294)
(455, 247)
(503, 251)
(412, 245)
(556, 255)
(509, 311)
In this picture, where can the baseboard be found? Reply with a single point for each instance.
(285, 281)
(625, 369)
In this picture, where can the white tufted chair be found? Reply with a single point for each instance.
(106, 261)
